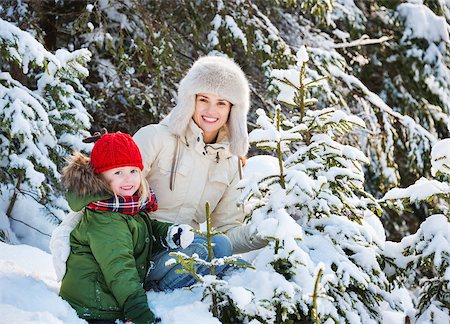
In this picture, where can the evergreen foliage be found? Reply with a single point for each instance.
(213, 287)
(336, 143)
(422, 260)
(311, 202)
(385, 69)
(42, 117)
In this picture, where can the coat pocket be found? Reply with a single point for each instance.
(184, 167)
(220, 177)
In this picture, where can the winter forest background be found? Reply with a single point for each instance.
(347, 177)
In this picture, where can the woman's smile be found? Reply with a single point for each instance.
(210, 119)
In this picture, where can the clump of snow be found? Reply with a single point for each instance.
(421, 190)
(440, 157)
(28, 49)
(302, 56)
(421, 22)
(235, 30)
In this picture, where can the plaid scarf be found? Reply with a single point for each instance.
(128, 205)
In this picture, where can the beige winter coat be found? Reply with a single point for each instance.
(198, 173)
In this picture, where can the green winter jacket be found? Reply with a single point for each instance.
(109, 258)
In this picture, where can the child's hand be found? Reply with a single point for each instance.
(180, 236)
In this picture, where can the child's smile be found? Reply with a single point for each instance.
(124, 181)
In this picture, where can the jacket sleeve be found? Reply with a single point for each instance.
(60, 242)
(228, 217)
(118, 265)
(160, 230)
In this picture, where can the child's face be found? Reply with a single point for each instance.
(123, 181)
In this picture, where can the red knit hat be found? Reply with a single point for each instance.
(115, 150)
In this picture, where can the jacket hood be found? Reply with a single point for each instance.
(223, 77)
(79, 177)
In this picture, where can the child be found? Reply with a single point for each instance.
(112, 244)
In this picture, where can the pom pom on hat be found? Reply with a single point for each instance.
(115, 150)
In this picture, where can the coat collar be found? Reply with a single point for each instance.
(215, 151)
(193, 137)
(77, 202)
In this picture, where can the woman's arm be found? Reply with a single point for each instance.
(149, 140)
(227, 217)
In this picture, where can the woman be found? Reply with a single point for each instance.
(192, 157)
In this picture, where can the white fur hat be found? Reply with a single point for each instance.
(223, 77)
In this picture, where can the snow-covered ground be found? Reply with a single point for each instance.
(29, 293)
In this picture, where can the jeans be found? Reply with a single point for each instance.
(160, 277)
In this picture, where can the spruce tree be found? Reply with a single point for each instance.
(310, 204)
(421, 261)
(213, 287)
(43, 118)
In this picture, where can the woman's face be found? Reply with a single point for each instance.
(211, 113)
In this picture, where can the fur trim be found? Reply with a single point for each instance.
(223, 77)
(79, 177)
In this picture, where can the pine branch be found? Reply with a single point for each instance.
(314, 312)
(14, 196)
(279, 151)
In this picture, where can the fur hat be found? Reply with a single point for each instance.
(223, 77)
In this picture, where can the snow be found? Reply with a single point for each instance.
(421, 22)
(235, 30)
(434, 315)
(28, 50)
(212, 36)
(302, 56)
(435, 231)
(287, 93)
(27, 226)
(177, 307)
(440, 157)
(180, 306)
(30, 288)
(24, 268)
(421, 190)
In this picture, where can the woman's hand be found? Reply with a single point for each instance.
(179, 236)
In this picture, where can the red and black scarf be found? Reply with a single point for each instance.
(128, 205)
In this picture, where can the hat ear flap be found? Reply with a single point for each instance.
(181, 114)
(237, 127)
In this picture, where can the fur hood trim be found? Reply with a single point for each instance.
(223, 77)
(79, 177)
